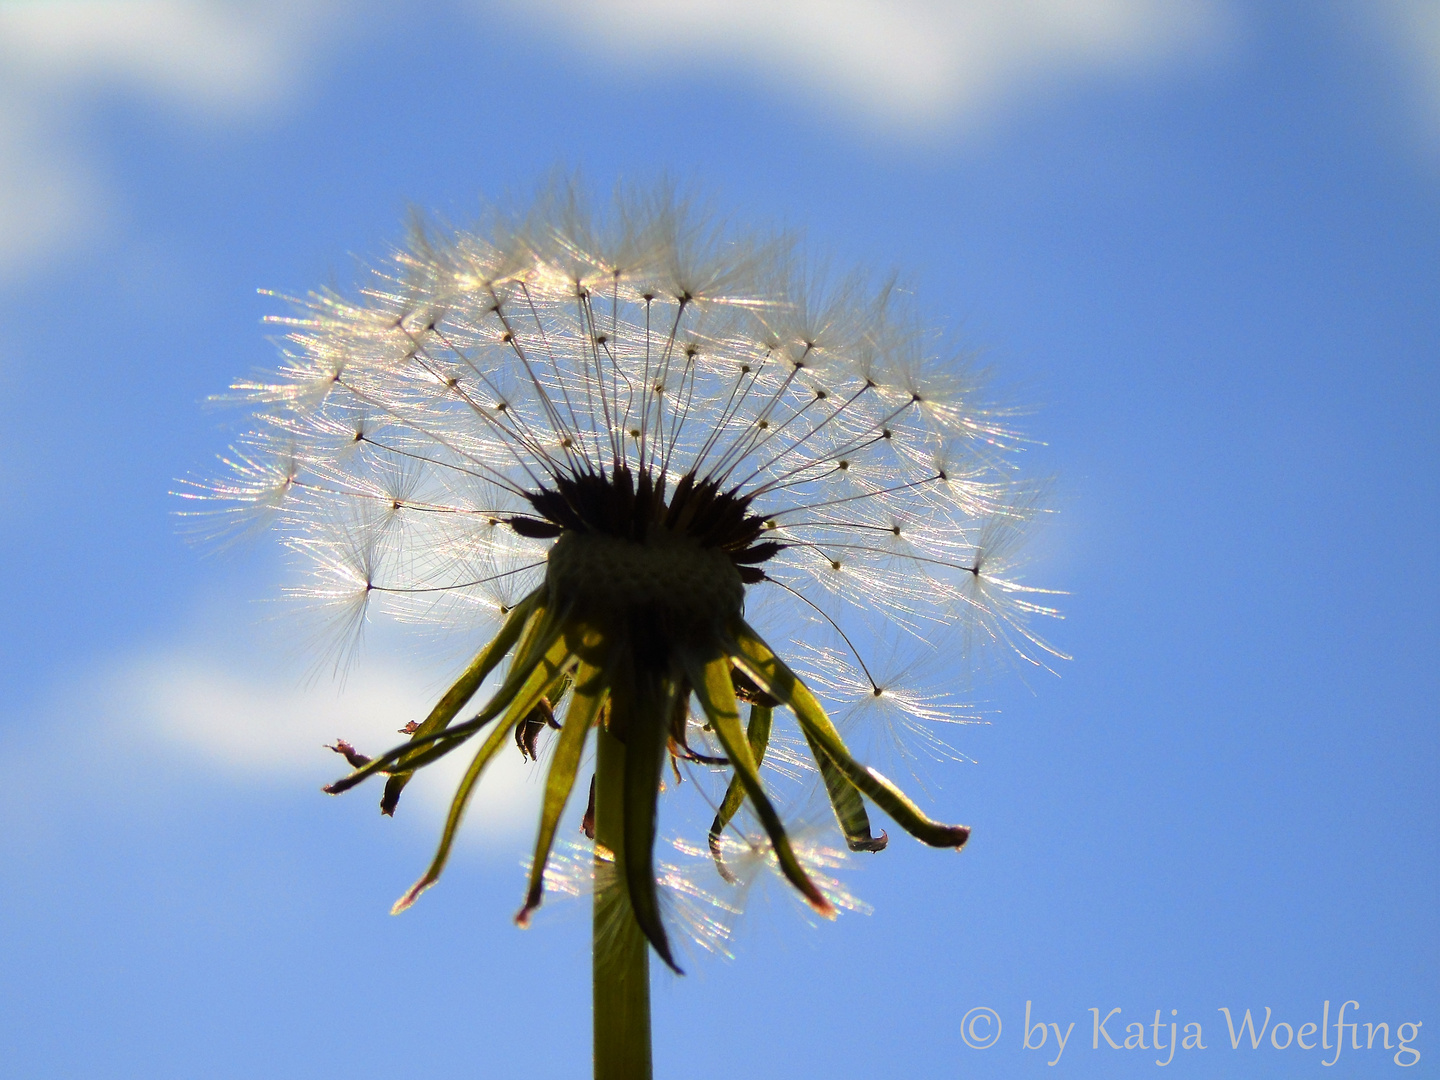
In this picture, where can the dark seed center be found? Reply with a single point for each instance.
(636, 505)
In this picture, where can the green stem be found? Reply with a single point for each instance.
(621, 953)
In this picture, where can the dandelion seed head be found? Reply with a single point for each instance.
(621, 431)
(487, 370)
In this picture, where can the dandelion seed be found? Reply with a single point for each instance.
(603, 436)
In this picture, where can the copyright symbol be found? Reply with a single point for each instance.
(980, 1028)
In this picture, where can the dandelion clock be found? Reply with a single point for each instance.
(609, 442)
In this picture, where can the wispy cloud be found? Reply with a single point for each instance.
(228, 709)
(916, 63)
(906, 63)
(906, 68)
(196, 54)
(1413, 26)
(200, 59)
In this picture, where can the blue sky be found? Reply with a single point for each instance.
(1200, 241)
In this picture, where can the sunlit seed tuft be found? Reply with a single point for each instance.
(663, 427)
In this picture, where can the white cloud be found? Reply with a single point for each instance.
(915, 63)
(202, 58)
(907, 62)
(907, 67)
(247, 722)
(1414, 28)
(194, 54)
(226, 706)
(48, 196)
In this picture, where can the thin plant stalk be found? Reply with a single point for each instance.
(621, 954)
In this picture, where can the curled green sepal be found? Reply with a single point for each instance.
(587, 696)
(486, 660)
(845, 800)
(771, 673)
(543, 632)
(716, 692)
(540, 677)
(644, 701)
(757, 734)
